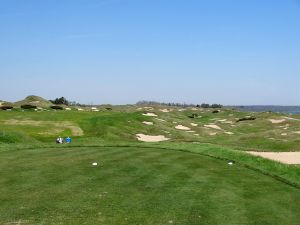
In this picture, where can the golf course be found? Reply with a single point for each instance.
(149, 165)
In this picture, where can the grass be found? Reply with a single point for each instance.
(136, 185)
(182, 181)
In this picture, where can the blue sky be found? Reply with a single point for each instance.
(122, 51)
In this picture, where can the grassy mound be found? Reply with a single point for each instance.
(34, 100)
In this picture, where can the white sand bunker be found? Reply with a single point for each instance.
(180, 127)
(213, 126)
(149, 114)
(284, 157)
(165, 110)
(194, 124)
(147, 123)
(150, 138)
(160, 119)
(277, 120)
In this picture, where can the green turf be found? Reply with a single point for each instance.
(185, 180)
(137, 186)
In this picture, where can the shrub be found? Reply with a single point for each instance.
(57, 107)
(216, 106)
(215, 111)
(108, 108)
(246, 118)
(27, 106)
(6, 107)
(194, 115)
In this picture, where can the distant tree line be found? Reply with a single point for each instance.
(183, 105)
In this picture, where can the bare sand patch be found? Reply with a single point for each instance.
(212, 134)
(180, 110)
(196, 134)
(55, 127)
(147, 123)
(291, 118)
(194, 124)
(160, 119)
(283, 157)
(213, 126)
(150, 138)
(190, 131)
(165, 110)
(297, 132)
(228, 132)
(277, 120)
(181, 127)
(149, 114)
(284, 134)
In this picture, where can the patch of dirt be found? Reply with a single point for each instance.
(277, 120)
(165, 110)
(228, 132)
(147, 123)
(150, 138)
(213, 126)
(180, 127)
(160, 120)
(149, 114)
(194, 124)
(283, 157)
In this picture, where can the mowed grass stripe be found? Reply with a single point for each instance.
(139, 186)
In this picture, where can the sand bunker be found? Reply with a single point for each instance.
(165, 110)
(150, 138)
(284, 157)
(213, 126)
(149, 114)
(180, 127)
(276, 120)
(54, 127)
(160, 120)
(147, 123)
(194, 124)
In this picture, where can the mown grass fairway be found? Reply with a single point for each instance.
(184, 180)
(137, 186)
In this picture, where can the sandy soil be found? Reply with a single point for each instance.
(150, 138)
(160, 120)
(194, 124)
(147, 123)
(228, 132)
(277, 120)
(165, 110)
(149, 114)
(297, 132)
(180, 127)
(212, 134)
(284, 157)
(213, 126)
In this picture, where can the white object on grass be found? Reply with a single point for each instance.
(94, 164)
(230, 163)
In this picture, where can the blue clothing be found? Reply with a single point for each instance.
(68, 140)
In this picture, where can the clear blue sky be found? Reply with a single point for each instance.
(122, 51)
